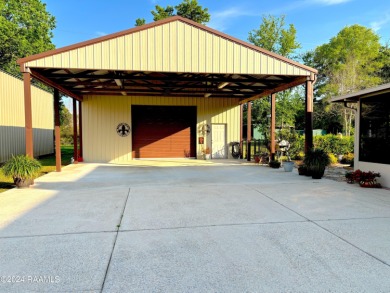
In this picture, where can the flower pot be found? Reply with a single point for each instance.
(274, 164)
(23, 183)
(288, 166)
(257, 159)
(317, 173)
(302, 170)
(370, 184)
(207, 156)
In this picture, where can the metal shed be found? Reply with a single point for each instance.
(174, 62)
(12, 132)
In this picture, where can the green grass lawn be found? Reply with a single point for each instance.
(48, 165)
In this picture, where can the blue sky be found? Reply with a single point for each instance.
(316, 21)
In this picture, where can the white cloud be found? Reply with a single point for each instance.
(331, 2)
(100, 34)
(377, 25)
(221, 19)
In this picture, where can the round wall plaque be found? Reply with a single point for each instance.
(123, 129)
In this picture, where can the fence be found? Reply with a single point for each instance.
(255, 146)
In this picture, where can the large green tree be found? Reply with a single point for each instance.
(192, 10)
(162, 13)
(25, 28)
(350, 61)
(275, 36)
(140, 21)
(384, 58)
(66, 128)
(188, 8)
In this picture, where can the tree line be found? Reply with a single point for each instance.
(352, 60)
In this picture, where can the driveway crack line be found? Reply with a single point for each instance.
(211, 226)
(116, 237)
(351, 219)
(323, 228)
(56, 234)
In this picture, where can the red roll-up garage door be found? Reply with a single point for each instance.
(163, 131)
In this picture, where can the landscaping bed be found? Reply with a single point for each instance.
(48, 165)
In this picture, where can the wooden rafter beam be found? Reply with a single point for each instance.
(161, 95)
(86, 83)
(294, 83)
(183, 92)
(49, 82)
(175, 78)
(130, 86)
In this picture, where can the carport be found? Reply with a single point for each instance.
(173, 62)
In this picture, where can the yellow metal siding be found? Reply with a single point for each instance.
(171, 47)
(188, 49)
(102, 114)
(12, 140)
(180, 47)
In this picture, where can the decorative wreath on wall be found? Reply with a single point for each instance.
(123, 129)
(204, 129)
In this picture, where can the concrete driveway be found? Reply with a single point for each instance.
(195, 226)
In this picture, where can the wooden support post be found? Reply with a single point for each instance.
(81, 130)
(309, 116)
(75, 154)
(241, 130)
(57, 129)
(272, 128)
(28, 115)
(249, 130)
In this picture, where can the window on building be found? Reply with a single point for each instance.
(375, 129)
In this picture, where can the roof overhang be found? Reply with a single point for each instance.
(354, 97)
(125, 63)
(244, 87)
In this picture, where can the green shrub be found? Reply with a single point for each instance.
(22, 167)
(333, 159)
(347, 158)
(299, 156)
(297, 147)
(335, 144)
(283, 158)
(316, 158)
(330, 143)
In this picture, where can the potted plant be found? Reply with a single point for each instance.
(274, 164)
(316, 161)
(302, 169)
(350, 177)
(288, 166)
(365, 179)
(257, 158)
(22, 169)
(206, 153)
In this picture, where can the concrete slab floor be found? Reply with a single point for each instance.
(201, 226)
(281, 257)
(200, 205)
(56, 263)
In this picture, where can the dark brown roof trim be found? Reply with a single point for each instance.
(354, 97)
(158, 23)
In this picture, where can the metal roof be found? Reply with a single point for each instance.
(354, 97)
(170, 57)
